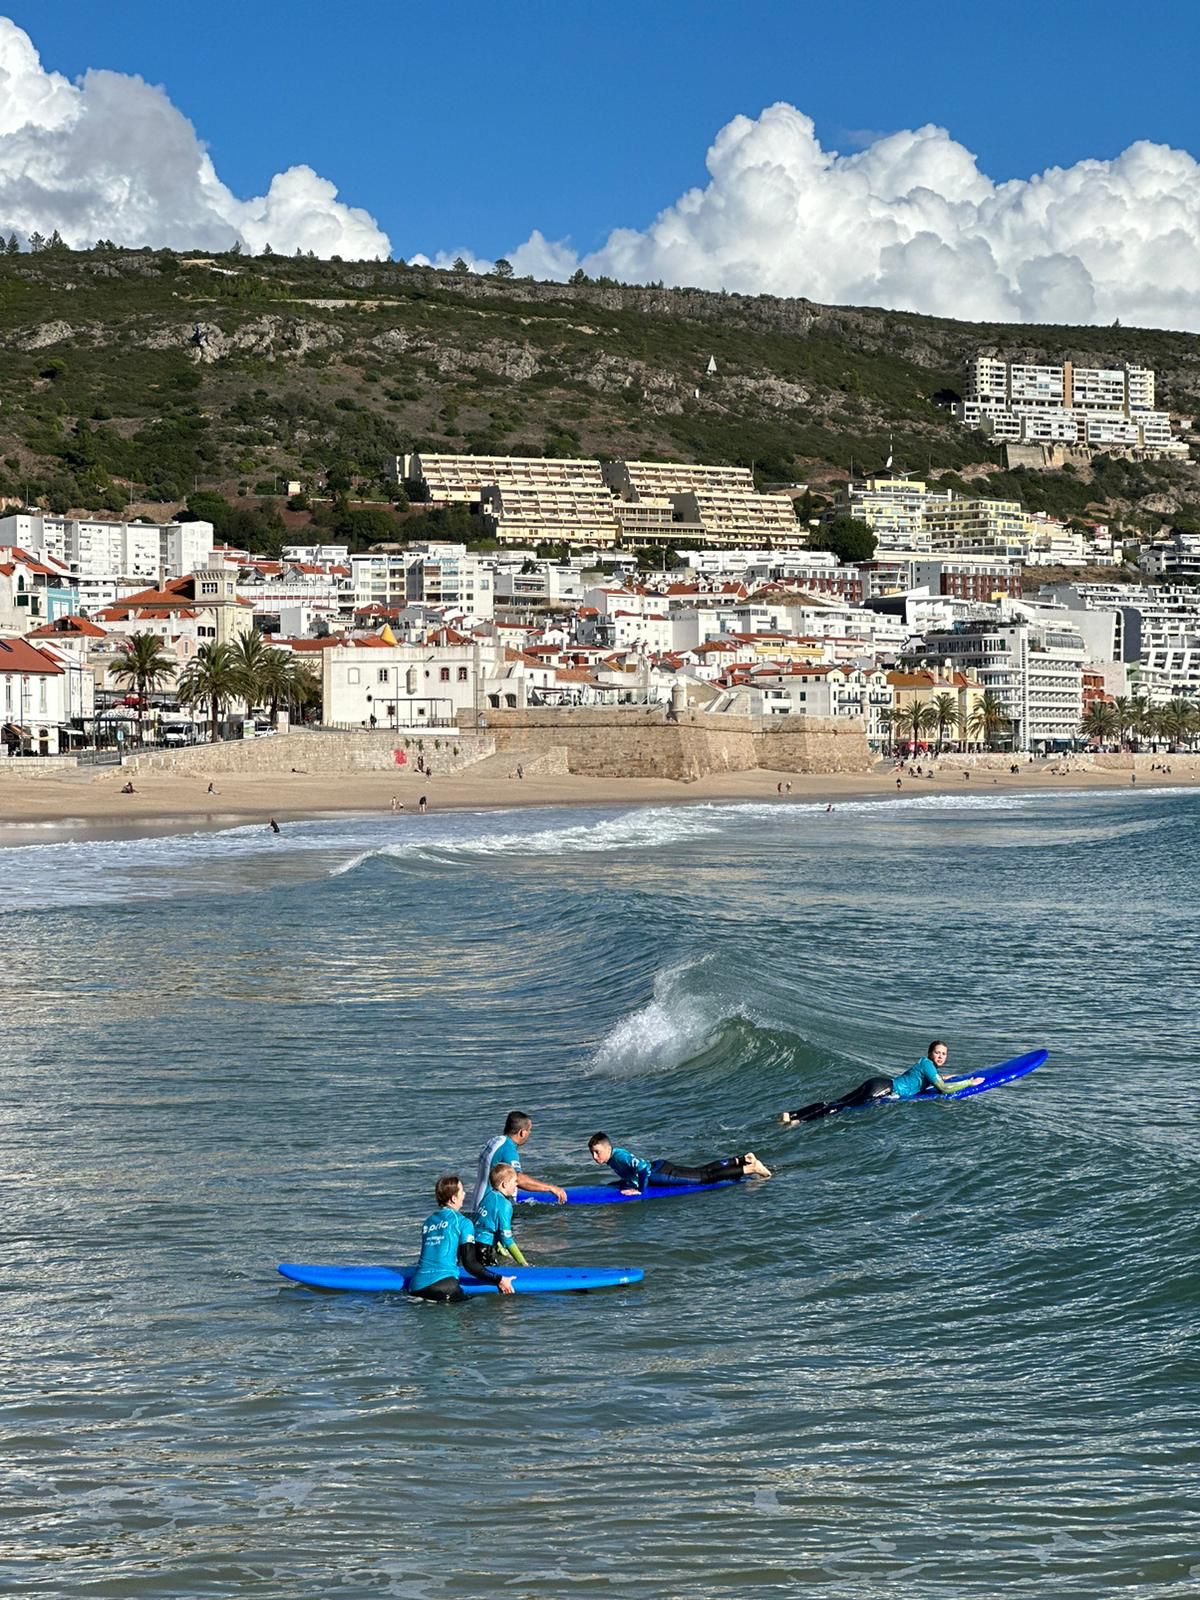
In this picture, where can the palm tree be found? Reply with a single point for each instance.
(1125, 711)
(213, 677)
(249, 653)
(275, 680)
(945, 711)
(145, 665)
(990, 719)
(916, 718)
(1100, 721)
(304, 687)
(1179, 722)
(887, 721)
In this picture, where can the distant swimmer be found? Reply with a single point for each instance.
(506, 1146)
(274, 826)
(493, 1219)
(637, 1174)
(925, 1073)
(828, 808)
(448, 1243)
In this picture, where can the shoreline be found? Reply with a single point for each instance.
(53, 810)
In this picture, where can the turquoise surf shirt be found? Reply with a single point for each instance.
(441, 1235)
(633, 1172)
(493, 1220)
(501, 1148)
(920, 1076)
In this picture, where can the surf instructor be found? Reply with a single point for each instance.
(506, 1146)
(926, 1073)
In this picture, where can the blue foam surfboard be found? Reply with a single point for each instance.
(526, 1280)
(993, 1077)
(609, 1194)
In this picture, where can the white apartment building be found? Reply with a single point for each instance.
(1098, 407)
(318, 555)
(371, 683)
(895, 509)
(536, 582)
(1036, 669)
(102, 554)
(33, 590)
(43, 693)
(437, 573)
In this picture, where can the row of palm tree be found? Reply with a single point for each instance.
(248, 670)
(1131, 720)
(986, 723)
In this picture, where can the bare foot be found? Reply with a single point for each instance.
(785, 1116)
(754, 1166)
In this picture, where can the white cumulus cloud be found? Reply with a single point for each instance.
(111, 157)
(911, 223)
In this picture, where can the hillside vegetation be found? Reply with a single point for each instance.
(146, 376)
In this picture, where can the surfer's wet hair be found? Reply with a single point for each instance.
(502, 1170)
(517, 1122)
(937, 1044)
(599, 1138)
(446, 1188)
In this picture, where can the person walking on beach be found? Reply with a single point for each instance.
(422, 804)
(637, 1174)
(926, 1073)
(506, 1146)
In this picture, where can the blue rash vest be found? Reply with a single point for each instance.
(501, 1148)
(633, 1172)
(441, 1235)
(921, 1075)
(493, 1220)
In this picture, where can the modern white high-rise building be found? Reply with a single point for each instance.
(106, 556)
(1096, 407)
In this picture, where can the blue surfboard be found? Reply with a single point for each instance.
(526, 1280)
(992, 1078)
(609, 1194)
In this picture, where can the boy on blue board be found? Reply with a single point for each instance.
(493, 1220)
(637, 1175)
(506, 1146)
(448, 1243)
(926, 1073)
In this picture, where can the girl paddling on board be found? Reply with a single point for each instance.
(926, 1073)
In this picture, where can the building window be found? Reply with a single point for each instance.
(351, 674)
(462, 674)
(444, 675)
(383, 674)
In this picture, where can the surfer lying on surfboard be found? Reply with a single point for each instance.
(637, 1175)
(926, 1073)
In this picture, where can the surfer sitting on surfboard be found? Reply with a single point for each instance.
(493, 1220)
(922, 1074)
(637, 1175)
(447, 1243)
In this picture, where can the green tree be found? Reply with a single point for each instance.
(989, 721)
(945, 711)
(248, 654)
(1126, 713)
(36, 242)
(460, 265)
(915, 720)
(210, 678)
(12, 247)
(143, 665)
(1100, 722)
(845, 537)
(502, 269)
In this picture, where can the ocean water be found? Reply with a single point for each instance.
(949, 1352)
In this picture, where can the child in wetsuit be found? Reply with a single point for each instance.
(493, 1219)
(447, 1243)
(637, 1175)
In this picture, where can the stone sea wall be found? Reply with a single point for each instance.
(635, 742)
(311, 750)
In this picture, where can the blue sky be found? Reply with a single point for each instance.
(472, 124)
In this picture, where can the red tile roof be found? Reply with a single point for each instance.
(18, 656)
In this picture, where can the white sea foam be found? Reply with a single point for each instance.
(682, 1019)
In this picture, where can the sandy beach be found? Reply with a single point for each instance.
(90, 803)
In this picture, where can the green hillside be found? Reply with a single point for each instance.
(146, 376)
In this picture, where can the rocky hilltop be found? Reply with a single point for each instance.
(145, 375)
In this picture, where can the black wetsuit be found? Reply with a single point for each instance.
(449, 1289)
(872, 1089)
(668, 1174)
